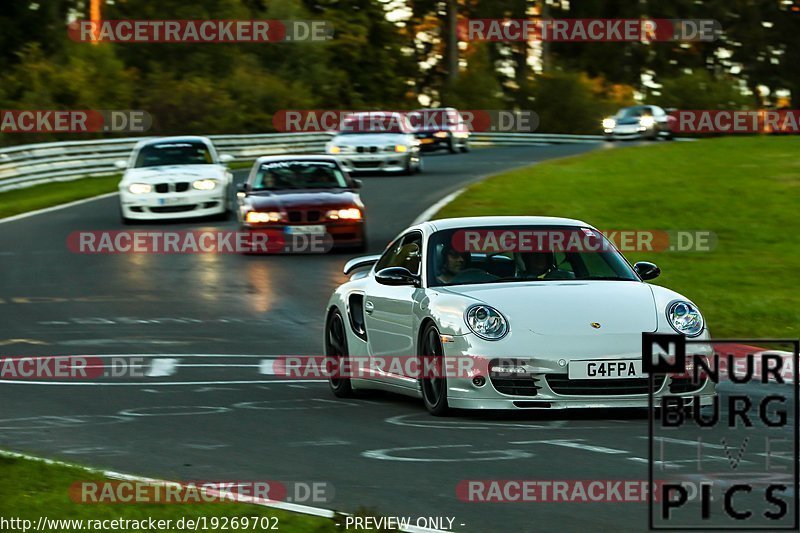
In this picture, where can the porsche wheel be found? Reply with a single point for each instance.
(434, 389)
(336, 348)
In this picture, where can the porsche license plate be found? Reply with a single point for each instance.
(608, 369)
(305, 230)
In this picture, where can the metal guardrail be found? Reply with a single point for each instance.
(32, 164)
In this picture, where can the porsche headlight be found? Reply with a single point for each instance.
(204, 185)
(486, 322)
(140, 188)
(685, 318)
(647, 122)
(609, 123)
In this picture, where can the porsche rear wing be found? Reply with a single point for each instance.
(360, 262)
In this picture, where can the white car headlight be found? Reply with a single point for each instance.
(486, 322)
(609, 123)
(140, 188)
(685, 318)
(204, 185)
(647, 122)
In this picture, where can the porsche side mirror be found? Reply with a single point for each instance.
(647, 270)
(121, 164)
(396, 276)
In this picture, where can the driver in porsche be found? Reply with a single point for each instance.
(454, 262)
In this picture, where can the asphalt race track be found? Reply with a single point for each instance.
(205, 409)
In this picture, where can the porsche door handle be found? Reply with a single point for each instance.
(369, 307)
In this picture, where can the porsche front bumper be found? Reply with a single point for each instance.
(547, 384)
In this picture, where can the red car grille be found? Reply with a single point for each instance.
(309, 215)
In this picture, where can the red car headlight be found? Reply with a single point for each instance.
(351, 213)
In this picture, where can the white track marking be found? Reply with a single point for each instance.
(577, 444)
(267, 367)
(156, 383)
(432, 210)
(192, 355)
(499, 455)
(56, 207)
(212, 365)
(161, 367)
(672, 440)
(179, 410)
(400, 420)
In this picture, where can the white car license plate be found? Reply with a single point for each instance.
(169, 200)
(305, 230)
(607, 369)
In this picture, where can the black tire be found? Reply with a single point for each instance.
(434, 390)
(451, 146)
(465, 147)
(609, 138)
(336, 347)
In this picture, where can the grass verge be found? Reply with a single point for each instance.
(49, 194)
(36, 489)
(745, 190)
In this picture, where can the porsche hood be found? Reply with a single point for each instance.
(569, 308)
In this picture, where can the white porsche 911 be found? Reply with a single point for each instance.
(552, 308)
(174, 177)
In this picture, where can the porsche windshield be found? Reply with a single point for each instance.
(632, 112)
(277, 175)
(530, 253)
(174, 153)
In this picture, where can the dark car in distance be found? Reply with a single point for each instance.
(303, 196)
(440, 129)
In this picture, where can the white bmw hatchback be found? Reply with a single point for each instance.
(550, 308)
(174, 177)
